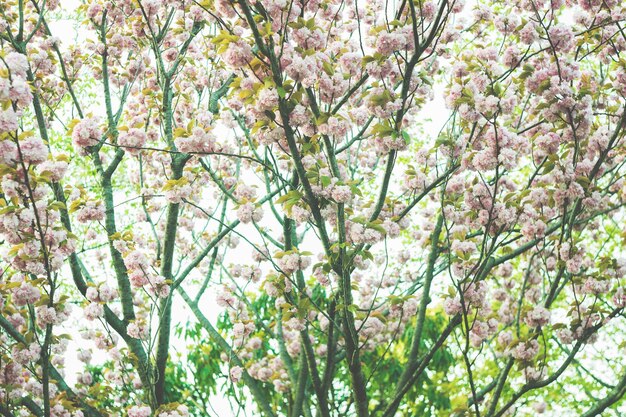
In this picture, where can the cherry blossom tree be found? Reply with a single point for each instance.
(211, 202)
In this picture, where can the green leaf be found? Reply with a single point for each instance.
(406, 137)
